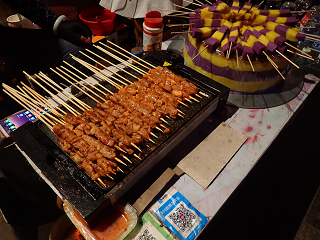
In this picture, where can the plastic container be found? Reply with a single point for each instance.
(100, 20)
(119, 221)
(152, 31)
(14, 21)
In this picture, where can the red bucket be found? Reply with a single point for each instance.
(100, 20)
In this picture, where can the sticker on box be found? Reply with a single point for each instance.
(150, 228)
(177, 213)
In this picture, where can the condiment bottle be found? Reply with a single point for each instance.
(152, 31)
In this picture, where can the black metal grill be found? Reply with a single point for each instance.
(86, 196)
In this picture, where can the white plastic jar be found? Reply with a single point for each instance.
(152, 31)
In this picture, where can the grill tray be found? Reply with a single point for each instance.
(86, 196)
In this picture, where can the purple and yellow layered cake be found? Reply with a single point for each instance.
(246, 49)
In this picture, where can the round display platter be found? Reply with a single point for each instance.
(279, 95)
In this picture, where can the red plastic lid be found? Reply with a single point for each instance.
(153, 19)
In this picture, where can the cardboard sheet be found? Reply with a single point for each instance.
(205, 162)
(143, 201)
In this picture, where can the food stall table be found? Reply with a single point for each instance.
(261, 126)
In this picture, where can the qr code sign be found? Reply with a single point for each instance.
(146, 235)
(182, 217)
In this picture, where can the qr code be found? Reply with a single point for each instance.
(146, 235)
(182, 217)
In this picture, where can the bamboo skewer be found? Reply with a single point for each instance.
(58, 92)
(82, 85)
(200, 52)
(127, 63)
(83, 80)
(69, 94)
(120, 170)
(250, 63)
(94, 99)
(274, 65)
(73, 111)
(122, 54)
(194, 99)
(102, 183)
(159, 129)
(31, 104)
(229, 50)
(90, 67)
(302, 55)
(297, 49)
(105, 75)
(311, 39)
(120, 149)
(34, 100)
(311, 35)
(109, 75)
(177, 15)
(45, 120)
(153, 135)
(138, 71)
(226, 61)
(151, 65)
(108, 68)
(288, 59)
(161, 125)
(44, 100)
(96, 71)
(93, 80)
(137, 61)
(261, 3)
(181, 32)
(136, 147)
(181, 103)
(37, 103)
(10, 145)
(23, 91)
(41, 99)
(181, 112)
(193, 3)
(199, 2)
(303, 11)
(115, 65)
(137, 156)
(164, 121)
(270, 60)
(172, 10)
(118, 160)
(179, 24)
(126, 158)
(203, 94)
(312, 49)
(35, 112)
(183, 7)
(237, 58)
